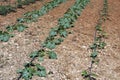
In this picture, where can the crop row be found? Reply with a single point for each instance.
(59, 32)
(21, 3)
(5, 36)
(32, 16)
(98, 43)
(55, 37)
(5, 9)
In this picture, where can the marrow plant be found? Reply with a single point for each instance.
(20, 3)
(58, 33)
(56, 36)
(32, 16)
(5, 36)
(98, 43)
(5, 9)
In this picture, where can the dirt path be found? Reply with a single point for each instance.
(73, 54)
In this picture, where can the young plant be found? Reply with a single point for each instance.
(4, 10)
(98, 43)
(56, 36)
(32, 16)
(35, 69)
(19, 3)
(19, 27)
(5, 36)
(58, 33)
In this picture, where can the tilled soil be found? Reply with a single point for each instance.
(73, 53)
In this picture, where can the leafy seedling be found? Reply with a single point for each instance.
(52, 55)
(41, 71)
(4, 36)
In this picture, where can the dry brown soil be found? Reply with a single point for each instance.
(73, 53)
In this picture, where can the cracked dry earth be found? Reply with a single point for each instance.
(73, 53)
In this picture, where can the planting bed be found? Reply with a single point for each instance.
(8, 6)
(73, 54)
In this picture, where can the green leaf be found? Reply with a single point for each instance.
(34, 54)
(84, 73)
(10, 28)
(58, 41)
(20, 27)
(19, 3)
(20, 20)
(4, 36)
(53, 33)
(41, 73)
(39, 67)
(5, 9)
(20, 71)
(27, 73)
(42, 54)
(50, 45)
(41, 59)
(52, 55)
(94, 54)
(63, 33)
(93, 46)
(29, 64)
(98, 28)
(32, 16)
(101, 45)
